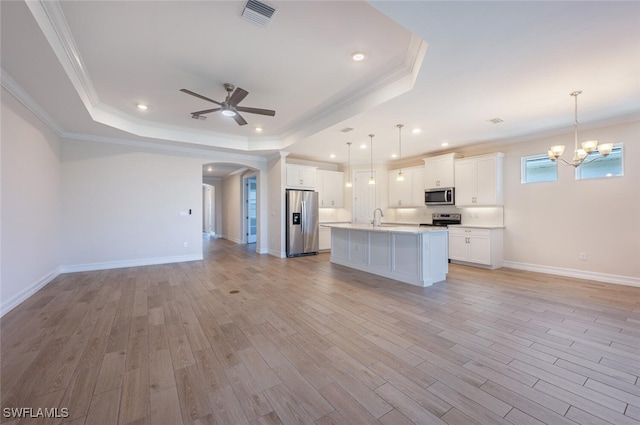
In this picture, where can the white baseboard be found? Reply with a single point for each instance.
(10, 304)
(579, 274)
(238, 241)
(129, 263)
(276, 253)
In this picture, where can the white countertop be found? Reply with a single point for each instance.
(387, 228)
(479, 226)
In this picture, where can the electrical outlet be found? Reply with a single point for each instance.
(582, 256)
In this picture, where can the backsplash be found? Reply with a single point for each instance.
(480, 215)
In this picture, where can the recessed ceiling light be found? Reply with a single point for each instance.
(210, 169)
(143, 107)
(333, 155)
(363, 146)
(258, 129)
(416, 131)
(443, 144)
(357, 56)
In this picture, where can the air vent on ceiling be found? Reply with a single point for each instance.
(496, 120)
(346, 129)
(258, 12)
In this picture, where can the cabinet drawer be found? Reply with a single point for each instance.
(469, 231)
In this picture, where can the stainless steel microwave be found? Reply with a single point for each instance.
(444, 196)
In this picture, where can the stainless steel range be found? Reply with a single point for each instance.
(444, 219)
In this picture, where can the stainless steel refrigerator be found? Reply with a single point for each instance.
(302, 222)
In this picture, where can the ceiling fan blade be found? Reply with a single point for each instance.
(256, 111)
(239, 119)
(206, 111)
(200, 96)
(237, 96)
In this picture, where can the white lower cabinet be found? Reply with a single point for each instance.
(324, 240)
(476, 246)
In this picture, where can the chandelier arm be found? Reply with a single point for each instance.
(565, 162)
(593, 158)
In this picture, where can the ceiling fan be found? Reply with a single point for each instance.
(230, 106)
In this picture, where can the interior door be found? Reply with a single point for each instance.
(252, 213)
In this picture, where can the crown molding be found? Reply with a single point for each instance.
(50, 18)
(178, 149)
(23, 97)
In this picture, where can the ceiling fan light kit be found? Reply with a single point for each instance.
(230, 106)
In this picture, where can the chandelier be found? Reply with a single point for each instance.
(588, 147)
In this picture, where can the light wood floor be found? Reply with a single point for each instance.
(304, 341)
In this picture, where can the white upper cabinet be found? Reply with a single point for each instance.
(478, 180)
(439, 171)
(330, 187)
(301, 176)
(408, 193)
(418, 187)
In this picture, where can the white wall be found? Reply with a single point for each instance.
(550, 223)
(121, 206)
(30, 199)
(275, 206)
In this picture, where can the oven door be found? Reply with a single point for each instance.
(444, 196)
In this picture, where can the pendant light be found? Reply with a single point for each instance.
(349, 184)
(579, 155)
(372, 179)
(400, 176)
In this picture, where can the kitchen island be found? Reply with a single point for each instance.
(410, 254)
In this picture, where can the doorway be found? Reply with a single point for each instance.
(251, 208)
(208, 210)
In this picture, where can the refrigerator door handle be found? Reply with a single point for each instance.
(304, 217)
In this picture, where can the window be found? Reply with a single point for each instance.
(538, 168)
(598, 167)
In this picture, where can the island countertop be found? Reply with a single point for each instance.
(389, 228)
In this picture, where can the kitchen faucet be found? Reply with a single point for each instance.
(377, 222)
